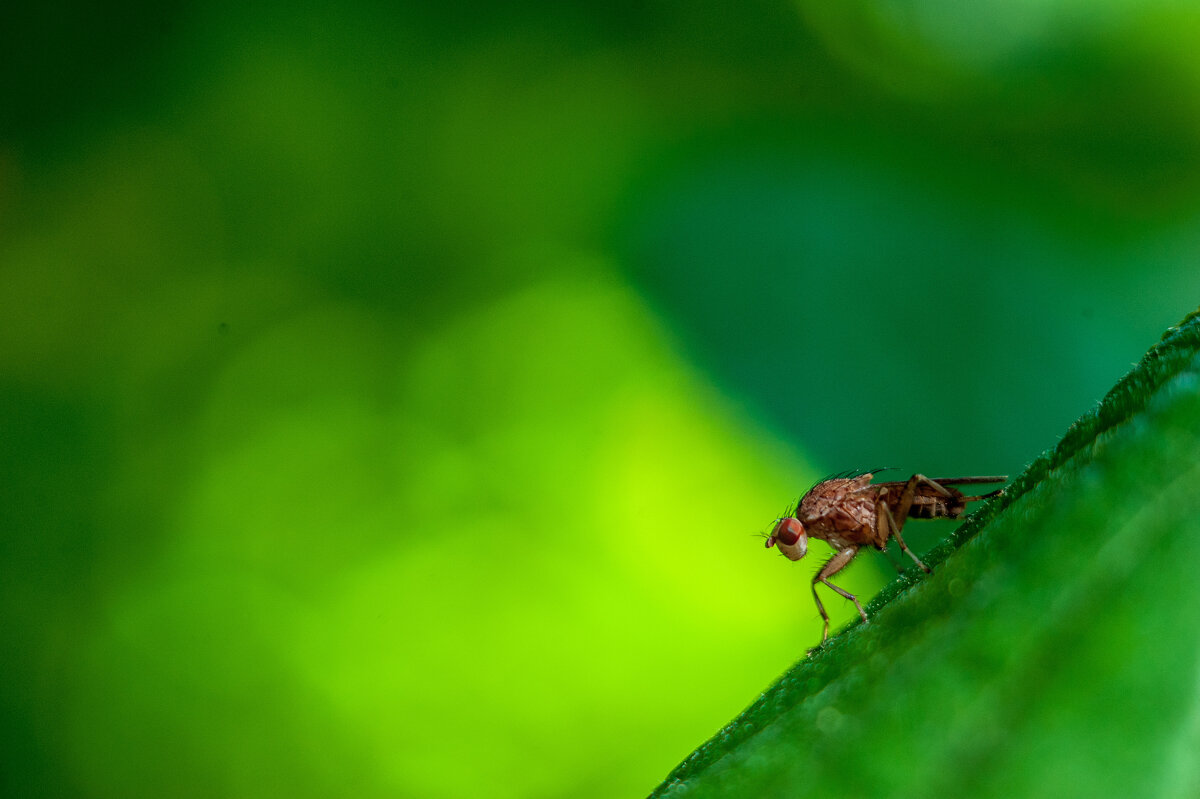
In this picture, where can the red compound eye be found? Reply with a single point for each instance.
(788, 531)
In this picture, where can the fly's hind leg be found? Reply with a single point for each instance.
(887, 519)
(902, 509)
(906, 498)
(998, 492)
(832, 567)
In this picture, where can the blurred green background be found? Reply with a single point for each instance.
(389, 393)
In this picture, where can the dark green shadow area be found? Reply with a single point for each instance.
(882, 318)
(1053, 651)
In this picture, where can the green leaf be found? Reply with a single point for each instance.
(1054, 650)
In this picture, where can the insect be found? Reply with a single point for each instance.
(848, 512)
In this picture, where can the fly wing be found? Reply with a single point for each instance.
(924, 493)
(962, 481)
(943, 481)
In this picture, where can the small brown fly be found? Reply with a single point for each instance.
(848, 512)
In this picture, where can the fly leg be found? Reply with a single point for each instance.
(988, 495)
(909, 492)
(899, 567)
(889, 521)
(832, 567)
(902, 509)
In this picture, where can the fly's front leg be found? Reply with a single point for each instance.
(889, 521)
(832, 567)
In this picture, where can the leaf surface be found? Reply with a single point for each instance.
(1054, 650)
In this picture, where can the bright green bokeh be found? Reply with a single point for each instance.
(391, 396)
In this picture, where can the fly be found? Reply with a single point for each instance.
(848, 512)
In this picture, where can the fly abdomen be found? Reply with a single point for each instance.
(937, 506)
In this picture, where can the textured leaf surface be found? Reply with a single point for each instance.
(1055, 649)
